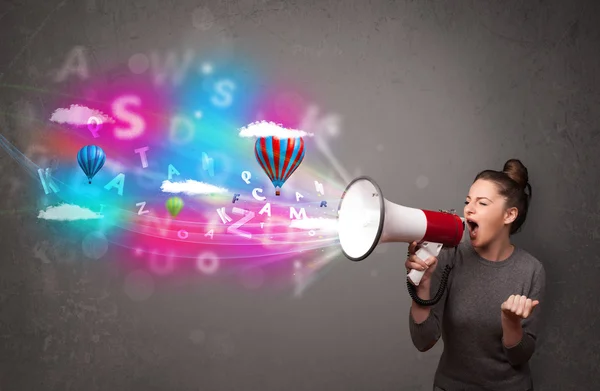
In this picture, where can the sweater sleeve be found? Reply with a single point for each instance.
(426, 334)
(523, 350)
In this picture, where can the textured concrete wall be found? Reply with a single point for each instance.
(429, 93)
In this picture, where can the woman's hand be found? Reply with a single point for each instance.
(414, 262)
(518, 307)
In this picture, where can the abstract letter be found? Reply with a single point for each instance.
(233, 228)
(47, 181)
(75, 63)
(120, 111)
(142, 152)
(118, 182)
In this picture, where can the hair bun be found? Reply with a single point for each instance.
(517, 172)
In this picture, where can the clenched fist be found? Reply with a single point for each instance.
(518, 307)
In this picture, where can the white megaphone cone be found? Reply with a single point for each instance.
(366, 219)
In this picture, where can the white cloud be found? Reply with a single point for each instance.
(114, 165)
(191, 187)
(265, 129)
(68, 212)
(79, 115)
(315, 223)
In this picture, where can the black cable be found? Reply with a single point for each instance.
(412, 290)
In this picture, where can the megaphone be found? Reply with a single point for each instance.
(366, 219)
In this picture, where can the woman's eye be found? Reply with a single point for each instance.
(466, 202)
(483, 203)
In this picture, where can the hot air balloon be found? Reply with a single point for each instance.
(279, 157)
(174, 205)
(91, 158)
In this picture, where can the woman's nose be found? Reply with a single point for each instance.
(468, 209)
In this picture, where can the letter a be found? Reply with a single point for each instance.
(266, 209)
(75, 63)
(118, 182)
(172, 171)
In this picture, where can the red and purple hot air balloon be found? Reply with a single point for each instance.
(279, 157)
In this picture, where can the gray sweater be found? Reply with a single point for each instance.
(468, 320)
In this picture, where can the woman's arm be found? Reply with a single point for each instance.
(512, 331)
(424, 336)
(519, 335)
(425, 322)
(420, 313)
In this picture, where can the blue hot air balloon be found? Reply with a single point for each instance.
(91, 158)
(279, 158)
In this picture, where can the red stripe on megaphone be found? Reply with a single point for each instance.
(444, 228)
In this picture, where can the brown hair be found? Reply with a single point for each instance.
(513, 184)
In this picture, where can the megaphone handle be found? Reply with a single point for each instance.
(426, 250)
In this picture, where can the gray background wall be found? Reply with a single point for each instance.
(470, 83)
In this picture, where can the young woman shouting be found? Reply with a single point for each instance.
(488, 316)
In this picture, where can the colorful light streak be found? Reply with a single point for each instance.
(187, 132)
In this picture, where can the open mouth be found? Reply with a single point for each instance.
(473, 227)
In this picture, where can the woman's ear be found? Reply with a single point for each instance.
(510, 215)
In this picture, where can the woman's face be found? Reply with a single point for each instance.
(486, 213)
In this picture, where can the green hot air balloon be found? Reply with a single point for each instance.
(174, 205)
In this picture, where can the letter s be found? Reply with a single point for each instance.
(120, 111)
(225, 90)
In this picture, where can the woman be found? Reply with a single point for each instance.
(488, 316)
